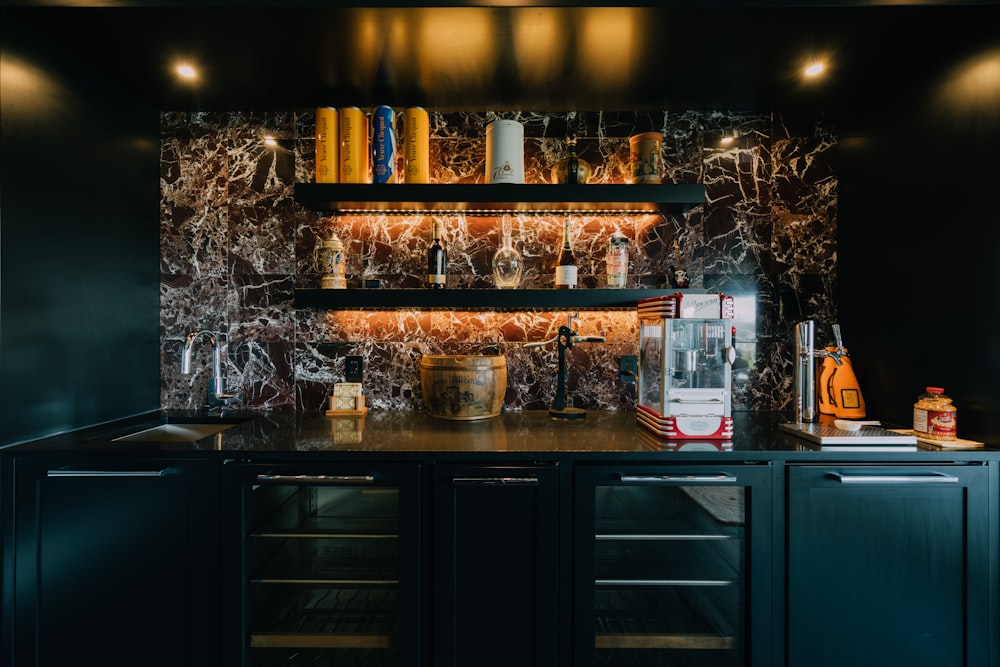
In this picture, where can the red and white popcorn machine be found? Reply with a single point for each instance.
(686, 356)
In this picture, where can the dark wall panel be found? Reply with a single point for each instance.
(79, 244)
(919, 265)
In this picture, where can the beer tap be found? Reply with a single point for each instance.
(805, 369)
(565, 340)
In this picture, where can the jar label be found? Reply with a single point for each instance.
(935, 423)
(617, 268)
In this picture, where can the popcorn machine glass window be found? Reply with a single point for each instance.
(685, 365)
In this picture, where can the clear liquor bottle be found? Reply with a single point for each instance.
(507, 263)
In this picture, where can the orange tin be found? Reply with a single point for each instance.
(327, 145)
(353, 146)
(416, 145)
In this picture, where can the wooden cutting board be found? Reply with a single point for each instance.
(957, 443)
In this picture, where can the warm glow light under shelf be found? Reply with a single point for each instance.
(444, 210)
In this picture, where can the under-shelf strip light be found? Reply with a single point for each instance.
(496, 211)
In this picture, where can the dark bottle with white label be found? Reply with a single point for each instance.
(437, 259)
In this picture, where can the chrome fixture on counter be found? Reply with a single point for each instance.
(806, 406)
(216, 397)
(565, 339)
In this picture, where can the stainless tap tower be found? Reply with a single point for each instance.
(806, 354)
(805, 372)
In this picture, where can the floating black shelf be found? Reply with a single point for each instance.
(496, 198)
(473, 299)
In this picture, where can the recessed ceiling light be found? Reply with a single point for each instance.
(186, 71)
(815, 69)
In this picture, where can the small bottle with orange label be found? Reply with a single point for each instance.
(934, 415)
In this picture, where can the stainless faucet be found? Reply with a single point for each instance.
(806, 408)
(216, 398)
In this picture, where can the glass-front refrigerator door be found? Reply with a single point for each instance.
(670, 571)
(330, 565)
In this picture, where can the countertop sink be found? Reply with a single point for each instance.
(177, 432)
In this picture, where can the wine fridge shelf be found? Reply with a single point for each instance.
(492, 199)
(336, 618)
(474, 299)
(637, 619)
(304, 640)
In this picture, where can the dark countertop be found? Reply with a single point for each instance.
(403, 434)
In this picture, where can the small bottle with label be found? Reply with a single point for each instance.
(565, 268)
(437, 259)
(934, 415)
(616, 261)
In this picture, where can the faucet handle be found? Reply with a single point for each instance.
(219, 400)
(229, 399)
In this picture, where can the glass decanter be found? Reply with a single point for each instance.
(507, 261)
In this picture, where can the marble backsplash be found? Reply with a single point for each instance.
(235, 246)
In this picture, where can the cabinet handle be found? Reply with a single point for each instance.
(107, 473)
(495, 481)
(663, 582)
(921, 478)
(317, 479)
(720, 478)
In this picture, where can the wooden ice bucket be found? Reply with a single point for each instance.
(463, 386)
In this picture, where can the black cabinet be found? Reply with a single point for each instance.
(113, 563)
(497, 567)
(672, 565)
(323, 563)
(888, 565)
(6, 562)
(140, 560)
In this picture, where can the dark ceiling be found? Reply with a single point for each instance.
(702, 55)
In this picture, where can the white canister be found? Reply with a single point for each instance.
(505, 152)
